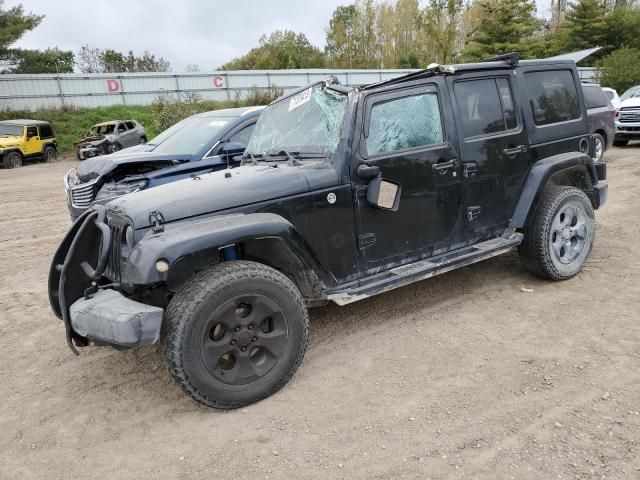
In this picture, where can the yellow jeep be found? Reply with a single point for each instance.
(24, 139)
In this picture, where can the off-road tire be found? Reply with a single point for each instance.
(12, 159)
(190, 312)
(49, 153)
(620, 143)
(536, 249)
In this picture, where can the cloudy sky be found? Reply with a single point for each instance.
(205, 32)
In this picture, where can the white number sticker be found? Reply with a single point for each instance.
(300, 99)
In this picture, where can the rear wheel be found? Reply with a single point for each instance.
(235, 334)
(12, 160)
(600, 146)
(49, 153)
(620, 143)
(559, 240)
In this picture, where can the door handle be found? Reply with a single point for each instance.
(441, 166)
(470, 169)
(513, 151)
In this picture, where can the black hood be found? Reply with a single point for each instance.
(223, 190)
(103, 164)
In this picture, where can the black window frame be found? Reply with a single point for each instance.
(506, 131)
(42, 135)
(34, 127)
(579, 96)
(388, 96)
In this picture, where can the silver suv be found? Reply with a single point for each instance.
(109, 137)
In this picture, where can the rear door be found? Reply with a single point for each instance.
(494, 148)
(409, 135)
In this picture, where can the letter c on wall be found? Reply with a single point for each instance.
(113, 85)
(218, 82)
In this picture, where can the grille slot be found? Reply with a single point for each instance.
(114, 264)
(629, 115)
(82, 195)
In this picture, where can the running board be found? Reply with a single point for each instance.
(423, 269)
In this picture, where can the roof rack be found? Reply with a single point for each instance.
(512, 58)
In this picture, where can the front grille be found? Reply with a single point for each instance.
(114, 264)
(82, 195)
(629, 115)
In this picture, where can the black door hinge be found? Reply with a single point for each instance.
(366, 239)
(473, 213)
(157, 221)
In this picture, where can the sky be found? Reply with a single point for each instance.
(203, 32)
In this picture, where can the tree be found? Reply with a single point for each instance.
(283, 49)
(95, 60)
(51, 60)
(619, 70)
(501, 26)
(623, 28)
(341, 48)
(444, 24)
(585, 25)
(14, 23)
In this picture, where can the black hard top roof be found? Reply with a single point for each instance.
(23, 122)
(501, 62)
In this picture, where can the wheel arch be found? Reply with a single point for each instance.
(570, 169)
(190, 248)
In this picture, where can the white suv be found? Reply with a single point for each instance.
(628, 117)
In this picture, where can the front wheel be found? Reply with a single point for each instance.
(114, 147)
(559, 240)
(235, 334)
(12, 160)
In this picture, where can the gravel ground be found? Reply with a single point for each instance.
(485, 372)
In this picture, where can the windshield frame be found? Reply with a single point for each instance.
(285, 151)
(13, 125)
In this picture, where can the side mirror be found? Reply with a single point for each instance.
(232, 149)
(384, 194)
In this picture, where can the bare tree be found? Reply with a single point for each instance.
(89, 59)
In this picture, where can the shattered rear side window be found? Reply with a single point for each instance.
(404, 123)
(308, 122)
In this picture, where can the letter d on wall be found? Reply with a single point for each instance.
(113, 85)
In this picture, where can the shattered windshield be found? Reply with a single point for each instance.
(11, 130)
(308, 122)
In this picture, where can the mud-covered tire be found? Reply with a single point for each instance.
(49, 153)
(12, 159)
(555, 247)
(203, 317)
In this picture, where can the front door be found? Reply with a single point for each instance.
(32, 143)
(494, 150)
(409, 135)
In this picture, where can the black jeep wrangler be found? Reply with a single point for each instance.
(344, 193)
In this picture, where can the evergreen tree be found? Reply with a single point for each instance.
(585, 25)
(500, 27)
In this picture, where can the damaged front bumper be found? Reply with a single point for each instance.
(93, 310)
(108, 317)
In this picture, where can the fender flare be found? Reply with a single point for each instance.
(10, 150)
(541, 172)
(194, 245)
(47, 144)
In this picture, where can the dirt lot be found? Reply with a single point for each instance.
(462, 376)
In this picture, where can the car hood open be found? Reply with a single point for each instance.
(222, 190)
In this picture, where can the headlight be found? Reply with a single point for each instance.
(112, 190)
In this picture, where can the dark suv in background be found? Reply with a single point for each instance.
(347, 192)
(602, 118)
(202, 143)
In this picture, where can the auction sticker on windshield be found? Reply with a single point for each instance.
(300, 99)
